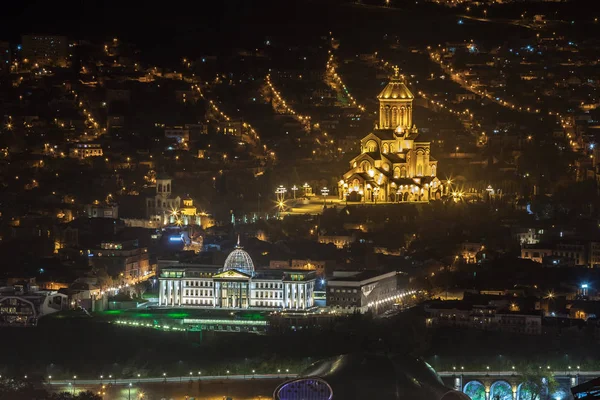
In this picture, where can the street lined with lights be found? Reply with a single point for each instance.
(283, 107)
(457, 77)
(334, 80)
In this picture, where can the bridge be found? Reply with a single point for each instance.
(509, 385)
(478, 385)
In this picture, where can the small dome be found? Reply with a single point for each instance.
(395, 89)
(239, 260)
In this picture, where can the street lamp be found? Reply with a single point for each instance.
(306, 189)
(324, 193)
(280, 192)
(129, 388)
(294, 189)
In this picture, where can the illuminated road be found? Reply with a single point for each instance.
(168, 379)
(262, 377)
(238, 387)
(499, 21)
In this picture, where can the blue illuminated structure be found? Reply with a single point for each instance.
(367, 376)
(306, 389)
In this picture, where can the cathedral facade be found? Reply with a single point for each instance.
(394, 164)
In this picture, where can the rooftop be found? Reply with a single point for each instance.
(395, 89)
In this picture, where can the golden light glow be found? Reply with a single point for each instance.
(335, 81)
(304, 119)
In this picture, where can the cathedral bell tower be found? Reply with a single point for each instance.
(395, 105)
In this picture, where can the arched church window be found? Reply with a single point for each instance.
(420, 170)
(386, 166)
(394, 117)
(387, 116)
(403, 172)
(371, 146)
(392, 148)
(386, 148)
(365, 166)
(396, 172)
(433, 170)
(160, 188)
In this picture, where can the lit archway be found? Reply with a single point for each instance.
(475, 390)
(527, 391)
(501, 390)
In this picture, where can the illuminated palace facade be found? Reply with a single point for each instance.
(236, 286)
(394, 165)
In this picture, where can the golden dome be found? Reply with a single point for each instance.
(395, 89)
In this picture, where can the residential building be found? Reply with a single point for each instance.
(483, 316)
(85, 150)
(123, 259)
(45, 50)
(100, 210)
(527, 235)
(535, 253)
(352, 291)
(577, 251)
(340, 241)
(468, 252)
(296, 264)
(5, 57)
(519, 323)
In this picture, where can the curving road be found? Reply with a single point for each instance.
(168, 379)
(220, 378)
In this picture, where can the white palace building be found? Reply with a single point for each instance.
(236, 286)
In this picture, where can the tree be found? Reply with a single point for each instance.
(80, 396)
(140, 289)
(537, 383)
(14, 389)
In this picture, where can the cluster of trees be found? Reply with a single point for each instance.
(12, 389)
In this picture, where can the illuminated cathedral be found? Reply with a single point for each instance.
(394, 164)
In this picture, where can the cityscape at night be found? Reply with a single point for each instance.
(300, 200)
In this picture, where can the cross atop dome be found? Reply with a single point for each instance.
(395, 103)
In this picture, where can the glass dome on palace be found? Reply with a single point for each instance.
(239, 260)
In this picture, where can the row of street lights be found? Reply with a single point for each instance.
(281, 191)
